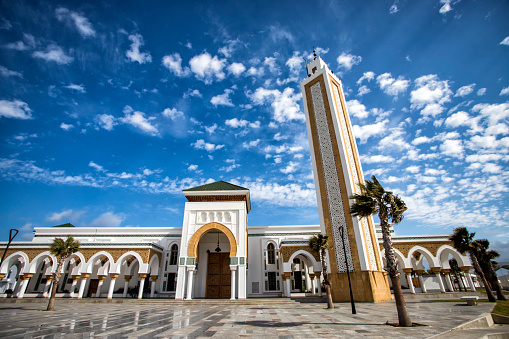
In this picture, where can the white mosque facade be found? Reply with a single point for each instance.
(216, 254)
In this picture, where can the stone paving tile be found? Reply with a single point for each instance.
(293, 320)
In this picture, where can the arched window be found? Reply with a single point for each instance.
(271, 254)
(174, 254)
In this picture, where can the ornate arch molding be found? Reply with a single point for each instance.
(195, 239)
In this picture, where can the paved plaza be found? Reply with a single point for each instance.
(227, 320)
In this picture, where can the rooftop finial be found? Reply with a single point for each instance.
(314, 53)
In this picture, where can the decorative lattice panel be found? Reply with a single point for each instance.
(353, 170)
(330, 173)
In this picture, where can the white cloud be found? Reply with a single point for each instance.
(65, 216)
(481, 91)
(446, 6)
(108, 219)
(201, 144)
(253, 71)
(252, 143)
(393, 9)
(27, 43)
(394, 139)
(421, 140)
(279, 33)
(271, 62)
(211, 129)
(134, 53)
(364, 132)
(206, 68)
(392, 86)
(347, 61)
(494, 112)
(295, 64)
(412, 169)
(172, 113)
(16, 109)
(8, 73)
(430, 94)
(236, 123)
(53, 53)
(292, 167)
(77, 88)
(138, 120)
(97, 167)
(357, 109)
(505, 41)
(66, 127)
(192, 167)
(452, 148)
(373, 159)
(363, 90)
(174, 63)
(458, 119)
(81, 23)
(192, 93)
(222, 99)
(491, 168)
(464, 90)
(236, 68)
(106, 121)
(286, 104)
(504, 91)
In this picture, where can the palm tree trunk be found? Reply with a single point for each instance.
(326, 279)
(392, 269)
(56, 278)
(495, 283)
(491, 298)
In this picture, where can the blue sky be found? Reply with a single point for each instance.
(109, 109)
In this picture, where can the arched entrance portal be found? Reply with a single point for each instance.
(212, 245)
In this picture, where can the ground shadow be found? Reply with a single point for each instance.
(267, 323)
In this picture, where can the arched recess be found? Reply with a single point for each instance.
(12, 259)
(154, 265)
(443, 255)
(195, 239)
(34, 264)
(309, 256)
(402, 261)
(432, 261)
(93, 259)
(118, 266)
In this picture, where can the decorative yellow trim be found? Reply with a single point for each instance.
(113, 276)
(407, 270)
(195, 239)
(27, 276)
(318, 274)
(436, 269)
(85, 275)
(127, 277)
(143, 275)
(154, 278)
(75, 277)
(101, 277)
(419, 272)
(466, 269)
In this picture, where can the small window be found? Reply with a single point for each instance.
(272, 281)
(271, 254)
(174, 254)
(170, 285)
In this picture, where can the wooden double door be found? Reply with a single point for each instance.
(218, 276)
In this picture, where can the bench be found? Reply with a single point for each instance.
(471, 300)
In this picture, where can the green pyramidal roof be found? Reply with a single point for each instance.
(217, 186)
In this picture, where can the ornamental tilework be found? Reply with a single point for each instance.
(353, 170)
(330, 173)
(288, 251)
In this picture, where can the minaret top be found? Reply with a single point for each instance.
(315, 67)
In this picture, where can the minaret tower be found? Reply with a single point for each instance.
(337, 172)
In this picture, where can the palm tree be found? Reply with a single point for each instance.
(485, 258)
(62, 250)
(375, 199)
(462, 241)
(318, 243)
(455, 270)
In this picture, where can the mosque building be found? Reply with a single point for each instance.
(215, 254)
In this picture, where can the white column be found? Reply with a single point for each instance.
(113, 278)
(313, 286)
(410, 282)
(153, 285)
(470, 281)
(101, 280)
(181, 282)
(126, 285)
(49, 279)
(440, 281)
(84, 278)
(190, 271)
(242, 282)
(319, 285)
(421, 281)
(233, 269)
(24, 285)
(288, 287)
(73, 286)
(142, 284)
(448, 281)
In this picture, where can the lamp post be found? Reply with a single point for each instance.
(11, 237)
(341, 231)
